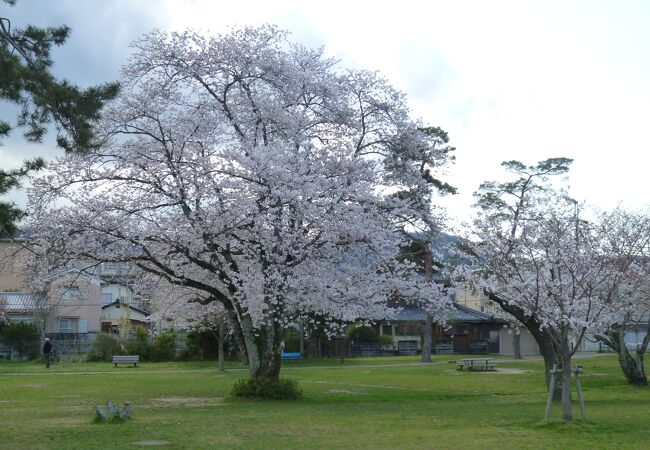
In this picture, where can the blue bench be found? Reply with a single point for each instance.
(290, 355)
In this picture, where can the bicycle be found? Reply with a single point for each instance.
(51, 358)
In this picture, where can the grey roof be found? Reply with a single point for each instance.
(117, 304)
(15, 302)
(466, 314)
(460, 314)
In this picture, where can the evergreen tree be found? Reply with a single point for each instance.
(26, 81)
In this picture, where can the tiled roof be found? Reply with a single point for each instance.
(460, 314)
(14, 302)
(465, 314)
(117, 304)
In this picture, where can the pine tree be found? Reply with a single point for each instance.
(26, 81)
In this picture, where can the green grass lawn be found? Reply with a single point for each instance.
(366, 403)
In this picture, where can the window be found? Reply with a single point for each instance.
(24, 319)
(401, 330)
(69, 293)
(113, 268)
(408, 329)
(387, 329)
(459, 328)
(66, 325)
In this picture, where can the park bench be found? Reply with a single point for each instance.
(126, 359)
(444, 347)
(290, 355)
(407, 347)
(365, 349)
(480, 346)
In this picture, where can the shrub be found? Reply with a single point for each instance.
(164, 346)
(20, 335)
(291, 340)
(139, 344)
(386, 340)
(362, 334)
(267, 389)
(202, 345)
(105, 346)
(93, 356)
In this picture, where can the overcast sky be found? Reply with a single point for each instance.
(508, 80)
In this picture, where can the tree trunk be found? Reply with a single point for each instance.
(428, 324)
(263, 348)
(632, 367)
(242, 354)
(550, 355)
(640, 378)
(428, 338)
(565, 357)
(516, 344)
(543, 339)
(302, 338)
(221, 338)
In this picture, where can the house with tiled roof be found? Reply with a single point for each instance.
(22, 306)
(121, 317)
(68, 312)
(468, 331)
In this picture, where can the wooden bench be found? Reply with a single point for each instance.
(126, 359)
(290, 355)
(479, 346)
(460, 365)
(444, 347)
(407, 348)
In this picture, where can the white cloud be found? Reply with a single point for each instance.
(507, 79)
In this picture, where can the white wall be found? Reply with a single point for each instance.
(632, 338)
(117, 291)
(527, 343)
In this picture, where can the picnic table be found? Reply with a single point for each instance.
(476, 364)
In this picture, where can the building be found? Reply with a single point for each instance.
(122, 318)
(477, 301)
(468, 331)
(71, 306)
(474, 299)
(13, 259)
(71, 311)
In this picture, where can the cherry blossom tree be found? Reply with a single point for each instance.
(250, 170)
(540, 260)
(627, 241)
(3, 316)
(187, 309)
(503, 207)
